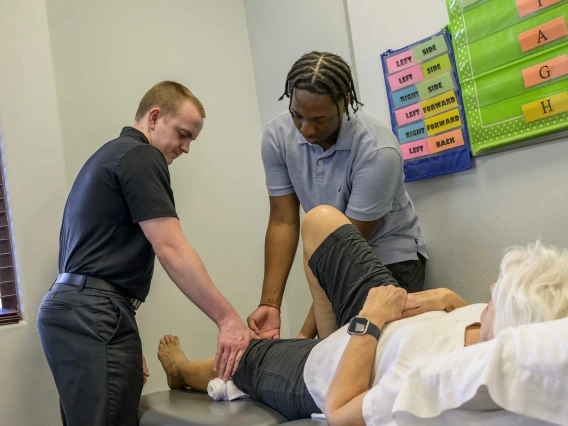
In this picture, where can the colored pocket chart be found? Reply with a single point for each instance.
(426, 108)
(512, 62)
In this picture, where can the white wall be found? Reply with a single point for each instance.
(280, 32)
(106, 55)
(36, 186)
(375, 29)
(470, 217)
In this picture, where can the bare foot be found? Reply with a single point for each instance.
(171, 356)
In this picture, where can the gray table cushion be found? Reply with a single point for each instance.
(189, 408)
(307, 422)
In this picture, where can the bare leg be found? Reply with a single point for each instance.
(318, 224)
(310, 328)
(179, 370)
(325, 318)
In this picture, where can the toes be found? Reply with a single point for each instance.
(169, 340)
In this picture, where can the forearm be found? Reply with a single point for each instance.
(343, 405)
(438, 299)
(310, 329)
(353, 372)
(344, 399)
(186, 270)
(452, 300)
(280, 248)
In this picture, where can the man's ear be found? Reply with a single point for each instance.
(153, 116)
(346, 103)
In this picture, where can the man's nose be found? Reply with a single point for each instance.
(307, 130)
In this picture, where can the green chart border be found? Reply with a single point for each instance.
(500, 135)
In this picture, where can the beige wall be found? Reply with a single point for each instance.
(468, 218)
(106, 55)
(36, 186)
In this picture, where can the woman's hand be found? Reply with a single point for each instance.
(438, 299)
(384, 304)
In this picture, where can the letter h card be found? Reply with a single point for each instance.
(426, 107)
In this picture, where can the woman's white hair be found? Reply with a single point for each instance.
(532, 286)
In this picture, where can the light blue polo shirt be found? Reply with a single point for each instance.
(361, 175)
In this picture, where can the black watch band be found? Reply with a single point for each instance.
(360, 326)
(373, 330)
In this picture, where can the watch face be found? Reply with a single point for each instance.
(358, 325)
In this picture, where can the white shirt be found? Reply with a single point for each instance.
(402, 346)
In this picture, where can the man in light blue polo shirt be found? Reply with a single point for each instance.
(320, 154)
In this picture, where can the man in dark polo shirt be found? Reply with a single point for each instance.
(120, 214)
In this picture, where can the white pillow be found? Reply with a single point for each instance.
(459, 417)
(523, 370)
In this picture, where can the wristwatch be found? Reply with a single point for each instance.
(359, 326)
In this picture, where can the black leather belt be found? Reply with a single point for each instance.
(96, 283)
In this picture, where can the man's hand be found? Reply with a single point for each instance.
(234, 337)
(145, 371)
(384, 304)
(438, 299)
(265, 322)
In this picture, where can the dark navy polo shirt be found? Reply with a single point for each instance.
(124, 183)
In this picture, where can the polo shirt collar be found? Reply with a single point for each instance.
(134, 133)
(346, 134)
(344, 138)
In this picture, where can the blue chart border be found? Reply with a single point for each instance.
(451, 161)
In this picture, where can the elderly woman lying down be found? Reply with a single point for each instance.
(382, 336)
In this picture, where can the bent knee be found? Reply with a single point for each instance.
(320, 222)
(320, 216)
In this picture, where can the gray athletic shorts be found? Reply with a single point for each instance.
(272, 371)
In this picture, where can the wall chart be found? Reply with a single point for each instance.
(426, 108)
(512, 62)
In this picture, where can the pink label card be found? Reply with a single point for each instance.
(409, 114)
(400, 62)
(406, 78)
(414, 149)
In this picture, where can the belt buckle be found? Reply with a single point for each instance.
(135, 303)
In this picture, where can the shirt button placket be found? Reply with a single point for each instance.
(319, 170)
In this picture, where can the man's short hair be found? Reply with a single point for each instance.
(169, 96)
(532, 286)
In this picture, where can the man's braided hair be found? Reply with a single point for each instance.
(323, 73)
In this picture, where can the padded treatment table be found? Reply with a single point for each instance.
(189, 408)
(307, 422)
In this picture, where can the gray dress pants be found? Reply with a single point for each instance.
(91, 342)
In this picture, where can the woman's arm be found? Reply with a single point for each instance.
(438, 299)
(343, 404)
